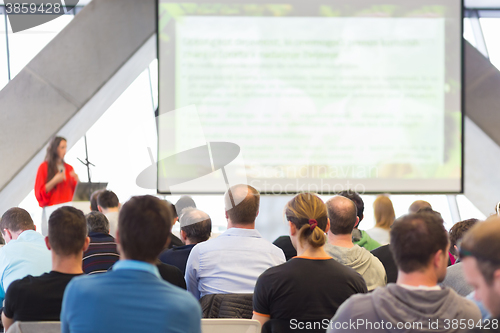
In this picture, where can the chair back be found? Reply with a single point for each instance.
(35, 327)
(224, 325)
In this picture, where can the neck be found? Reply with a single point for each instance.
(71, 264)
(124, 257)
(418, 278)
(340, 240)
(110, 210)
(189, 242)
(312, 252)
(240, 226)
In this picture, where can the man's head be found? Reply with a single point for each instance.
(480, 255)
(67, 232)
(242, 204)
(107, 200)
(196, 225)
(183, 202)
(356, 198)
(457, 232)
(417, 205)
(97, 222)
(144, 226)
(14, 221)
(419, 243)
(343, 215)
(93, 200)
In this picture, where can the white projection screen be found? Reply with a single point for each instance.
(306, 95)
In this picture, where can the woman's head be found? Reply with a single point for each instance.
(307, 212)
(55, 154)
(384, 212)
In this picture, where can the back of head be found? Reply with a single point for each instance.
(93, 200)
(183, 202)
(458, 231)
(97, 222)
(356, 198)
(67, 231)
(417, 205)
(415, 238)
(242, 204)
(196, 224)
(342, 213)
(483, 243)
(107, 199)
(16, 219)
(383, 211)
(144, 225)
(308, 213)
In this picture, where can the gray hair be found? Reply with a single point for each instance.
(97, 222)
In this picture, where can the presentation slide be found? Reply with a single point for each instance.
(310, 96)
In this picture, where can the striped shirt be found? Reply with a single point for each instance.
(101, 254)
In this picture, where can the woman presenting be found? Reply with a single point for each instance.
(55, 180)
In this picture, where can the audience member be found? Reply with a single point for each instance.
(418, 205)
(343, 218)
(480, 255)
(39, 298)
(102, 252)
(232, 262)
(25, 252)
(196, 227)
(360, 237)
(309, 287)
(132, 297)
(285, 244)
(93, 200)
(455, 275)
(420, 244)
(384, 217)
(183, 202)
(384, 254)
(109, 205)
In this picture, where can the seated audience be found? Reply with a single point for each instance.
(420, 244)
(343, 218)
(93, 200)
(39, 298)
(183, 202)
(101, 253)
(418, 205)
(311, 286)
(132, 297)
(232, 262)
(384, 218)
(196, 227)
(480, 255)
(109, 205)
(285, 244)
(455, 276)
(25, 252)
(384, 254)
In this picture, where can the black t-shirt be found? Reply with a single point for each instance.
(384, 254)
(285, 243)
(305, 289)
(171, 274)
(177, 256)
(37, 298)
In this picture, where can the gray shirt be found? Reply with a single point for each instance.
(455, 280)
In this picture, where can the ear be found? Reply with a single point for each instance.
(99, 208)
(327, 225)
(357, 222)
(119, 205)
(34, 227)
(257, 213)
(496, 281)
(456, 249)
(86, 244)
(183, 236)
(438, 258)
(227, 217)
(293, 228)
(47, 243)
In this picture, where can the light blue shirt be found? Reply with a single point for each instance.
(230, 263)
(26, 255)
(130, 298)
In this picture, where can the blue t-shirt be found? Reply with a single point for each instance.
(130, 298)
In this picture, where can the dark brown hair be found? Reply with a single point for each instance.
(144, 225)
(302, 208)
(342, 213)
(67, 231)
(415, 239)
(107, 199)
(16, 219)
(458, 231)
(242, 204)
(93, 200)
(52, 156)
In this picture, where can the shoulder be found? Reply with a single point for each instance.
(23, 285)
(356, 306)
(467, 306)
(68, 167)
(43, 167)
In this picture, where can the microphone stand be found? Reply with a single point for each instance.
(87, 163)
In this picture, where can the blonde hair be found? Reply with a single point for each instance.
(383, 211)
(303, 208)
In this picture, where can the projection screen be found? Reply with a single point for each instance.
(323, 96)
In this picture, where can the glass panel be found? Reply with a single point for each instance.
(491, 27)
(468, 210)
(468, 33)
(4, 77)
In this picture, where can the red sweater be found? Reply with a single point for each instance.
(61, 193)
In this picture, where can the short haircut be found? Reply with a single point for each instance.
(183, 202)
(16, 219)
(458, 231)
(342, 213)
(415, 239)
(144, 225)
(97, 222)
(196, 224)
(417, 205)
(356, 198)
(482, 242)
(67, 231)
(107, 199)
(242, 204)
(93, 200)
